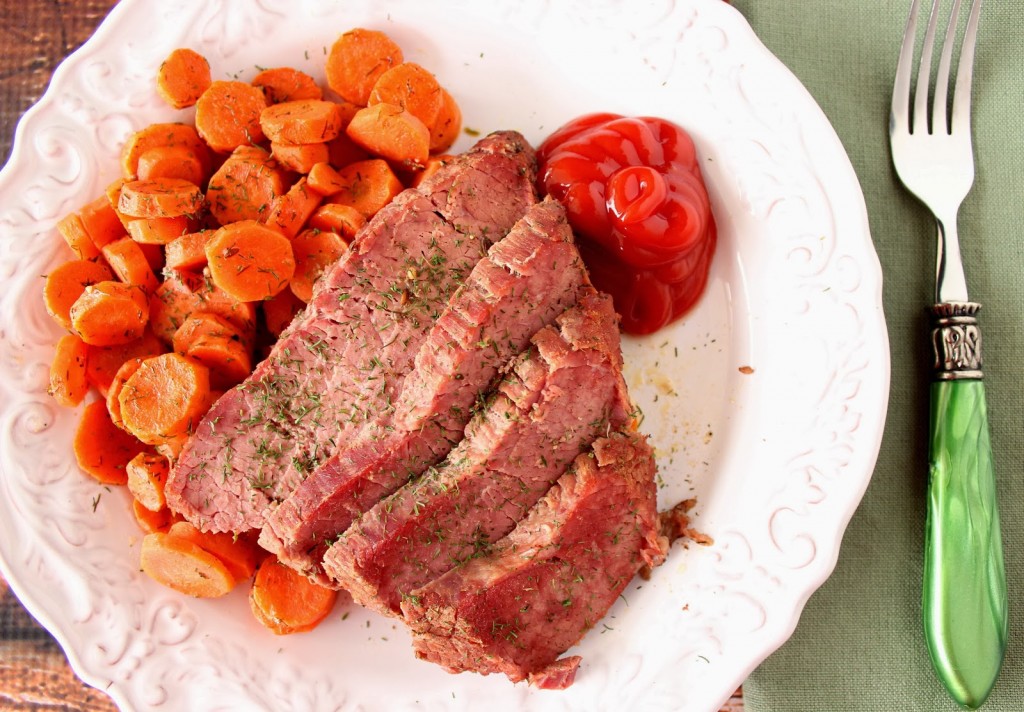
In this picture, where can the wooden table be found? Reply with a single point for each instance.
(34, 673)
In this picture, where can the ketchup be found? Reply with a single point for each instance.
(637, 202)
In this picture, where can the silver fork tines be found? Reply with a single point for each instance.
(931, 147)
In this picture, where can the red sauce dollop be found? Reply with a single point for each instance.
(637, 202)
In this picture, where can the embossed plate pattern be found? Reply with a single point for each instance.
(767, 403)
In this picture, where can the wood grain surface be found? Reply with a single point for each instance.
(34, 672)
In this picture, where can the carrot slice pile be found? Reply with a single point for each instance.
(183, 271)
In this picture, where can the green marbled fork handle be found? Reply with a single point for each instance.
(965, 600)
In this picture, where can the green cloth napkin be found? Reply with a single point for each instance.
(859, 644)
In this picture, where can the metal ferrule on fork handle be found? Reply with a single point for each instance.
(956, 341)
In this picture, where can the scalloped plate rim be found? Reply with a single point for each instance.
(823, 567)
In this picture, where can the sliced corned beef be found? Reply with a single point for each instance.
(560, 396)
(527, 279)
(515, 609)
(339, 363)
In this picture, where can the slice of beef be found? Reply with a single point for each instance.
(534, 595)
(527, 279)
(560, 396)
(339, 363)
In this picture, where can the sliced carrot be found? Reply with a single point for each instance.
(303, 121)
(434, 164)
(160, 198)
(154, 255)
(101, 222)
(238, 554)
(183, 294)
(217, 344)
(66, 283)
(392, 132)
(348, 110)
(300, 157)
(188, 251)
(68, 383)
(147, 475)
(315, 251)
(171, 162)
(228, 115)
(335, 217)
(324, 179)
(250, 261)
(447, 126)
(158, 231)
(164, 398)
(161, 135)
(183, 566)
(244, 186)
(110, 313)
(289, 212)
(281, 84)
(150, 521)
(172, 447)
(127, 370)
(368, 186)
(182, 78)
(411, 87)
(127, 261)
(101, 448)
(279, 311)
(356, 61)
(113, 193)
(286, 601)
(105, 361)
(342, 151)
(73, 231)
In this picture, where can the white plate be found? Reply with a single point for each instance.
(778, 458)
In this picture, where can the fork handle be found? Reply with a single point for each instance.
(965, 599)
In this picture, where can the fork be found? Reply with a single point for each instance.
(964, 597)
